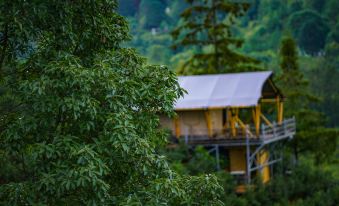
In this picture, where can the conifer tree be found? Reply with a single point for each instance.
(207, 28)
(311, 135)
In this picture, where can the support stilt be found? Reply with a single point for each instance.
(217, 156)
(248, 164)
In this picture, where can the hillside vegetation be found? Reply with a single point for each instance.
(314, 24)
(267, 32)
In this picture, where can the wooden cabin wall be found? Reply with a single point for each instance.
(217, 120)
(194, 122)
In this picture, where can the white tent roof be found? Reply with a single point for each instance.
(222, 90)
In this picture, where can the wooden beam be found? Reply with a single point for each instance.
(243, 126)
(253, 115)
(280, 108)
(268, 100)
(232, 122)
(273, 86)
(176, 122)
(208, 123)
(227, 123)
(257, 119)
(281, 112)
(266, 120)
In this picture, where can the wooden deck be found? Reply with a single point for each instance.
(268, 134)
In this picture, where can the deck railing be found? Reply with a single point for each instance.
(286, 128)
(267, 133)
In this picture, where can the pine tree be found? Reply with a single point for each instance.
(207, 28)
(311, 135)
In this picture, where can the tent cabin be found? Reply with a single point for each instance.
(241, 113)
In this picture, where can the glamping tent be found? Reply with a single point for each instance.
(241, 113)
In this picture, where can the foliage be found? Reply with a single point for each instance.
(78, 111)
(262, 26)
(306, 185)
(195, 161)
(152, 12)
(176, 8)
(317, 5)
(331, 13)
(315, 42)
(305, 22)
(311, 135)
(207, 26)
(85, 125)
(128, 7)
(334, 35)
(302, 184)
(324, 83)
(158, 54)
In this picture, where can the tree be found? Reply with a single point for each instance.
(312, 36)
(310, 30)
(306, 185)
(317, 5)
(207, 28)
(85, 124)
(334, 35)
(253, 10)
(158, 54)
(311, 135)
(128, 7)
(295, 6)
(324, 83)
(176, 8)
(152, 13)
(331, 11)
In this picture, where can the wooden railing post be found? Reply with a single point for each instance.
(263, 131)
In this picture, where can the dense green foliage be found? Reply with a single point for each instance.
(84, 127)
(302, 184)
(306, 70)
(310, 122)
(153, 13)
(206, 28)
(306, 22)
(262, 27)
(79, 108)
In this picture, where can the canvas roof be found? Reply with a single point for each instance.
(223, 90)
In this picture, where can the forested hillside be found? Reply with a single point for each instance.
(312, 23)
(299, 41)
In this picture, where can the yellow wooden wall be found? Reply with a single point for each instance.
(237, 158)
(194, 122)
